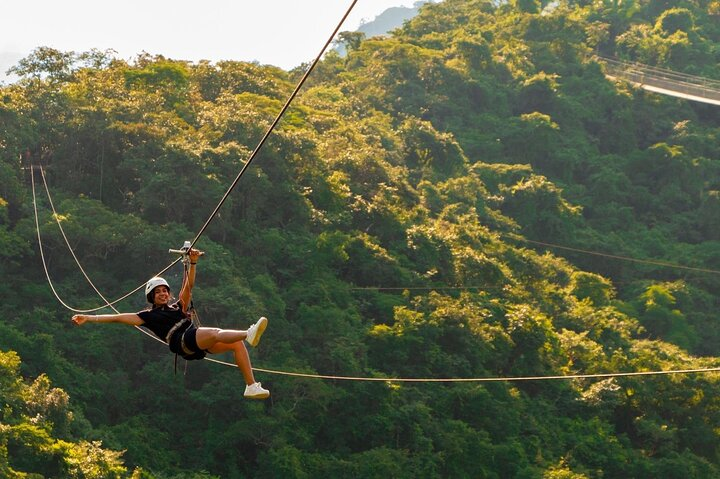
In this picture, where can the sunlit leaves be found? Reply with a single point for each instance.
(33, 415)
(379, 232)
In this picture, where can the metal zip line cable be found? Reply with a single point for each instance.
(274, 123)
(222, 200)
(224, 197)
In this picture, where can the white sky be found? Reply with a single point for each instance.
(284, 33)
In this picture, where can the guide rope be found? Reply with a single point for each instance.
(108, 304)
(72, 252)
(483, 379)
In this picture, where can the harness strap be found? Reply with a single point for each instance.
(175, 327)
(184, 347)
(186, 366)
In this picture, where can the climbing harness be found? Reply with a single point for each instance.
(178, 343)
(176, 337)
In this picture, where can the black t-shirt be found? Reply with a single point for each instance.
(161, 319)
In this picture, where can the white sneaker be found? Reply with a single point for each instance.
(255, 331)
(256, 391)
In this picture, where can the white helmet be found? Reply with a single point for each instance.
(152, 284)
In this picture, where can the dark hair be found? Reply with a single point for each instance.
(151, 295)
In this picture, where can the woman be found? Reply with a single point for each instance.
(171, 323)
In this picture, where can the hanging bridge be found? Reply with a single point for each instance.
(663, 81)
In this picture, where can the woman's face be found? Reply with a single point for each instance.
(161, 295)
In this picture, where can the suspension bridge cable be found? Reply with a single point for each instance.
(274, 123)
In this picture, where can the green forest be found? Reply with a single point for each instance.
(468, 197)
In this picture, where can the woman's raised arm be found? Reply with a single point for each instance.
(187, 286)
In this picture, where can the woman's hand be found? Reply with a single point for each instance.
(194, 254)
(80, 319)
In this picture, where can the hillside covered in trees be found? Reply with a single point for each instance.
(469, 197)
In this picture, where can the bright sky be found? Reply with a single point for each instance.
(284, 33)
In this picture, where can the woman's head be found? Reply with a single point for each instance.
(154, 286)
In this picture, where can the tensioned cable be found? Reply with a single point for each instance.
(274, 124)
(612, 256)
(232, 185)
(223, 199)
(77, 261)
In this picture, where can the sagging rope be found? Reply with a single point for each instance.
(108, 304)
(77, 261)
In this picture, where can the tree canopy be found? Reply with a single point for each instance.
(469, 197)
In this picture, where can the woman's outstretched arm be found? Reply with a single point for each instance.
(125, 318)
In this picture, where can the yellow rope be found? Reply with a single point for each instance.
(480, 379)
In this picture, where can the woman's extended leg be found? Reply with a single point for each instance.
(206, 338)
(253, 390)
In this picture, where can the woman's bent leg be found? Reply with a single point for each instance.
(217, 341)
(242, 358)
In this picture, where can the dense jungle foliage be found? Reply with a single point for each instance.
(396, 224)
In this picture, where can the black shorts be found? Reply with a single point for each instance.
(184, 343)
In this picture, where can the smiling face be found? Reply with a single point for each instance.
(161, 295)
